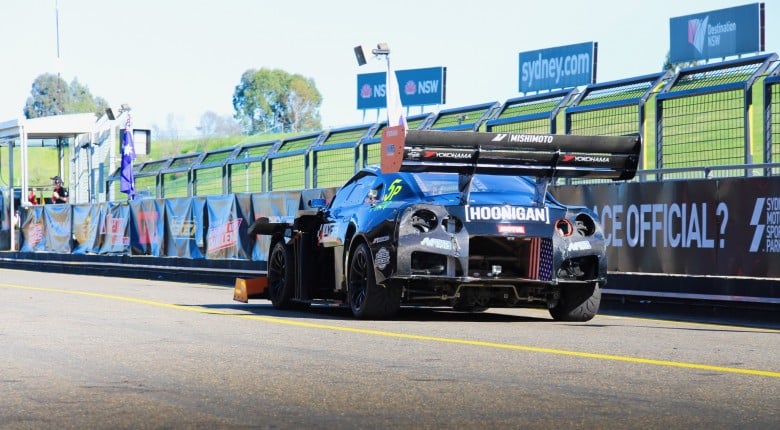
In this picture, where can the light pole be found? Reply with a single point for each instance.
(395, 112)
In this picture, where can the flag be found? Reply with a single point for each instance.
(126, 179)
(395, 110)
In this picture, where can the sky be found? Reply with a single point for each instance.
(174, 60)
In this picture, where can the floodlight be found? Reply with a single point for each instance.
(360, 55)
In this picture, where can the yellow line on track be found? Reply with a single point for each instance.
(275, 320)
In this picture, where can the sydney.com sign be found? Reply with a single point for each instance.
(560, 67)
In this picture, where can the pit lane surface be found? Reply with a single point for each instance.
(95, 352)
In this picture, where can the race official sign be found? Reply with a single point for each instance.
(419, 87)
(717, 33)
(560, 67)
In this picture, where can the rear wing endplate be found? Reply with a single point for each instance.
(544, 156)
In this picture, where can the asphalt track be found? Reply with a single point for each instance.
(100, 352)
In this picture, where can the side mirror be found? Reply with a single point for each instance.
(317, 203)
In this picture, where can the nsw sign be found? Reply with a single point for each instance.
(418, 87)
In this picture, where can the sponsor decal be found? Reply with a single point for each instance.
(507, 213)
(380, 239)
(35, 234)
(523, 138)
(395, 187)
(568, 158)
(511, 229)
(582, 245)
(447, 154)
(382, 258)
(380, 206)
(114, 230)
(81, 231)
(670, 225)
(700, 32)
(390, 149)
(183, 228)
(766, 220)
(223, 235)
(436, 243)
(328, 235)
(147, 227)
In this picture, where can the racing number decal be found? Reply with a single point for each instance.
(394, 188)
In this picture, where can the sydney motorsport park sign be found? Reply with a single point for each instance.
(560, 67)
(419, 87)
(717, 33)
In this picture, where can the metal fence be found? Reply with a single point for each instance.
(709, 121)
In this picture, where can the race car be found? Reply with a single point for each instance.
(456, 219)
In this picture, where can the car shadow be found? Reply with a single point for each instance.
(337, 312)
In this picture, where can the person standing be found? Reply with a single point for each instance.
(60, 193)
(31, 197)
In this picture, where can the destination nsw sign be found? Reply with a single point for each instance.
(717, 33)
(418, 87)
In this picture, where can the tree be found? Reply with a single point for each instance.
(675, 67)
(51, 95)
(213, 125)
(82, 101)
(276, 100)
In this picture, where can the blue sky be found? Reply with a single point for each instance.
(178, 59)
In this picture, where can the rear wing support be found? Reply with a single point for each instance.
(543, 156)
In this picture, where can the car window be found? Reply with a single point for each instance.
(434, 184)
(354, 193)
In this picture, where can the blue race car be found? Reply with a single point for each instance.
(456, 219)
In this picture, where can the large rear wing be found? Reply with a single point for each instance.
(540, 155)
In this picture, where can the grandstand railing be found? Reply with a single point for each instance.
(700, 122)
(703, 114)
(531, 114)
(771, 128)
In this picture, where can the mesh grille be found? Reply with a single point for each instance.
(334, 167)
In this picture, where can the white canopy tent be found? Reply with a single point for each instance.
(83, 127)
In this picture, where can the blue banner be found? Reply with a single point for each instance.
(716, 34)
(560, 67)
(419, 87)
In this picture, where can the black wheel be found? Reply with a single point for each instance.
(367, 299)
(281, 276)
(577, 303)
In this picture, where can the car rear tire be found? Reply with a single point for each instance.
(578, 303)
(281, 276)
(367, 299)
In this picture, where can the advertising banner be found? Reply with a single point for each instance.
(419, 87)
(728, 227)
(147, 227)
(278, 206)
(115, 231)
(560, 67)
(56, 228)
(222, 236)
(244, 211)
(87, 223)
(184, 227)
(717, 33)
(33, 230)
(752, 226)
